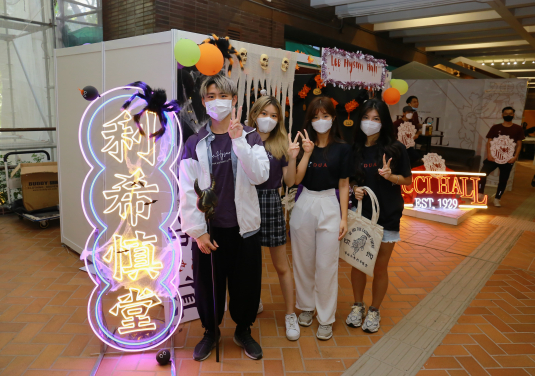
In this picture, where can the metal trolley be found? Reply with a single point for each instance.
(43, 218)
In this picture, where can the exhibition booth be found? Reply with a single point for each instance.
(118, 186)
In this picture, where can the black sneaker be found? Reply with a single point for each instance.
(250, 346)
(204, 348)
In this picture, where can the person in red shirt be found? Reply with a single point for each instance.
(408, 116)
(504, 142)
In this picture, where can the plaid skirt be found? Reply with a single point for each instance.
(273, 226)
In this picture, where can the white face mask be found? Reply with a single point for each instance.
(265, 124)
(409, 116)
(322, 125)
(370, 127)
(218, 109)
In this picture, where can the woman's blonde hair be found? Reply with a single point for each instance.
(277, 142)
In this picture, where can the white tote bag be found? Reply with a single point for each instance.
(360, 246)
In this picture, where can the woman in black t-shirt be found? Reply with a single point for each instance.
(382, 164)
(316, 224)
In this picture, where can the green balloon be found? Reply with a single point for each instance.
(401, 85)
(187, 52)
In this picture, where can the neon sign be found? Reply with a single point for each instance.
(443, 189)
(128, 198)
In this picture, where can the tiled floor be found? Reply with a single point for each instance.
(44, 330)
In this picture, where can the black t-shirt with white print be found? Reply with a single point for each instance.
(391, 202)
(325, 169)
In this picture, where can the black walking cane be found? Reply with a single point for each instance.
(206, 203)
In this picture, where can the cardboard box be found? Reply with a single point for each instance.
(39, 182)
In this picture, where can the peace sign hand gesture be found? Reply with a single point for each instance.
(293, 147)
(235, 128)
(385, 172)
(308, 146)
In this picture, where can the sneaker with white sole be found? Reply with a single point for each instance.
(260, 308)
(371, 323)
(305, 318)
(293, 332)
(325, 332)
(497, 203)
(354, 319)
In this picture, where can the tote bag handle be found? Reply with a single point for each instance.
(375, 205)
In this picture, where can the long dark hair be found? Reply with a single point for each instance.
(385, 142)
(321, 104)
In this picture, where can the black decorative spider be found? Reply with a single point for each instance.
(156, 102)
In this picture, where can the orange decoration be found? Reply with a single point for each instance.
(211, 61)
(287, 101)
(310, 59)
(296, 67)
(335, 103)
(391, 96)
(304, 92)
(350, 106)
(319, 82)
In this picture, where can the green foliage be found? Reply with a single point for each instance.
(17, 193)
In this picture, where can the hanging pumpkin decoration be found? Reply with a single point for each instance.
(350, 106)
(319, 85)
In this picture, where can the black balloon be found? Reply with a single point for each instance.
(163, 357)
(90, 93)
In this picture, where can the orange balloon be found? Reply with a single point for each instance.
(391, 96)
(211, 61)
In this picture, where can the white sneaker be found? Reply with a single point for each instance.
(371, 324)
(305, 318)
(354, 319)
(293, 332)
(325, 332)
(497, 203)
(260, 308)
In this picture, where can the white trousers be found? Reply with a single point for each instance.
(314, 228)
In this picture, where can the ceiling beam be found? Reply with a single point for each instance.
(330, 3)
(480, 66)
(498, 41)
(507, 16)
(461, 69)
(450, 29)
(460, 36)
(433, 21)
(503, 52)
(405, 13)
(524, 12)
(470, 46)
(518, 3)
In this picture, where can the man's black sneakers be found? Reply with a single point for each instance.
(204, 348)
(250, 346)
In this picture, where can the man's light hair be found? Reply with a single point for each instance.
(224, 84)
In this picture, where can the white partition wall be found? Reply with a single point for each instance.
(106, 65)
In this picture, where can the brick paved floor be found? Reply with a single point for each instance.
(44, 330)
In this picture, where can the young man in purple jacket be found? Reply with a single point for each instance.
(234, 154)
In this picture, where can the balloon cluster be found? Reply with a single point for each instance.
(206, 57)
(394, 93)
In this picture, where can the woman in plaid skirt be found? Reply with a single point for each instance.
(266, 117)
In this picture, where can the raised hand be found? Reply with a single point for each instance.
(385, 172)
(308, 146)
(293, 147)
(235, 128)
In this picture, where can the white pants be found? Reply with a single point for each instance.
(314, 228)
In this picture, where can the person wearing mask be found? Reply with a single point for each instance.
(516, 134)
(318, 221)
(235, 156)
(382, 164)
(408, 115)
(412, 101)
(266, 117)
